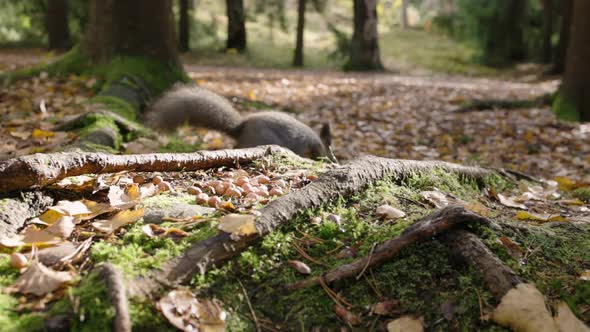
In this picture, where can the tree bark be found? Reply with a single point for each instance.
(575, 89)
(134, 28)
(184, 26)
(364, 51)
(236, 25)
(547, 30)
(404, 14)
(503, 33)
(58, 30)
(564, 36)
(298, 57)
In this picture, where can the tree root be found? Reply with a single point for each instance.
(39, 170)
(343, 181)
(14, 211)
(116, 289)
(425, 228)
(498, 277)
(491, 104)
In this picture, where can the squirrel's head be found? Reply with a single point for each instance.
(325, 149)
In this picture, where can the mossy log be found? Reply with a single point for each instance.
(342, 181)
(423, 229)
(40, 170)
(498, 277)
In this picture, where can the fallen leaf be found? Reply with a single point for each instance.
(39, 280)
(447, 308)
(523, 215)
(65, 208)
(119, 220)
(388, 212)
(385, 308)
(63, 227)
(567, 321)
(42, 134)
(510, 202)
(238, 224)
(585, 275)
(513, 249)
(346, 315)
(565, 183)
(32, 236)
(406, 324)
(523, 309)
(187, 313)
(437, 198)
(300, 266)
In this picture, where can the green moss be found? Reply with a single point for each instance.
(95, 122)
(94, 309)
(116, 105)
(565, 108)
(445, 182)
(582, 194)
(175, 144)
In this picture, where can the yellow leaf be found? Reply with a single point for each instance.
(523, 215)
(252, 95)
(118, 220)
(238, 224)
(565, 183)
(41, 134)
(32, 236)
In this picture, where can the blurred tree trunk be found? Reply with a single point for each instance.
(573, 102)
(364, 50)
(133, 27)
(564, 35)
(57, 27)
(298, 57)
(503, 33)
(404, 13)
(184, 25)
(236, 25)
(548, 13)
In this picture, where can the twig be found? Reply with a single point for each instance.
(250, 307)
(368, 262)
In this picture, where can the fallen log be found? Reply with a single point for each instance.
(423, 229)
(498, 277)
(342, 181)
(39, 170)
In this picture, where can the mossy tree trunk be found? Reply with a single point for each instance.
(573, 102)
(364, 50)
(132, 28)
(298, 57)
(56, 21)
(184, 25)
(236, 25)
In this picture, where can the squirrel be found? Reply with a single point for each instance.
(202, 108)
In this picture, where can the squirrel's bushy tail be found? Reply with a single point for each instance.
(194, 106)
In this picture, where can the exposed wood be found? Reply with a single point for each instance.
(116, 289)
(498, 277)
(423, 229)
(342, 181)
(39, 170)
(15, 210)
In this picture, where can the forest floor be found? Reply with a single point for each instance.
(540, 227)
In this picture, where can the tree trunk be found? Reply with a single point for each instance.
(184, 26)
(574, 100)
(404, 14)
(564, 35)
(364, 51)
(236, 25)
(547, 30)
(298, 58)
(58, 30)
(134, 28)
(504, 34)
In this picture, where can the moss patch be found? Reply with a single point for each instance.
(565, 108)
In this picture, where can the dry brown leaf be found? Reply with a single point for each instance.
(513, 249)
(510, 202)
(567, 321)
(406, 324)
(187, 313)
(523, 309)
(347, 316)
(39, 280)
(385, 308)
(119, 220)
(437, 198)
